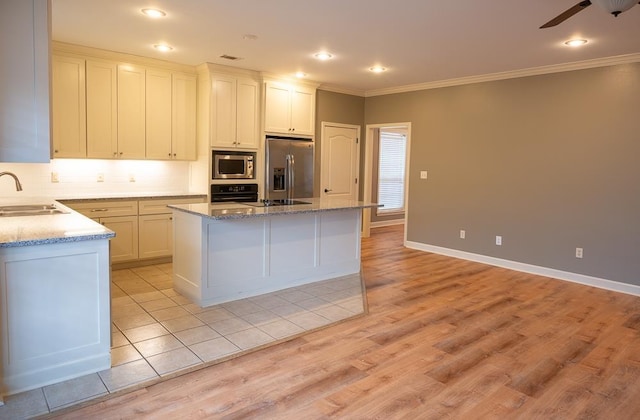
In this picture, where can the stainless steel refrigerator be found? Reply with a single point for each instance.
(289, 168)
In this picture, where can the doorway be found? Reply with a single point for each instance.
(371, 163)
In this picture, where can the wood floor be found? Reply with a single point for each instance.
(444, 338)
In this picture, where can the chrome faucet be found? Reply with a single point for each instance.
(15, 178)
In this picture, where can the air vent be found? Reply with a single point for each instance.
(230, 57)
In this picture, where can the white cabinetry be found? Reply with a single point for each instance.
(55, 319)
(68, 109)
(131, 111)
(234, 112)
(170, 115)
(24, 84)
(102, 109)
(228, 107)
(289, 109)
(156, 226)
(119, 216)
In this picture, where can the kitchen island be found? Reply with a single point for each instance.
(225, 252)
(54, 295)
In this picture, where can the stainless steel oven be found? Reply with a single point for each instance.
(232, 164)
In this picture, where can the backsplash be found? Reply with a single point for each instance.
(80, 178)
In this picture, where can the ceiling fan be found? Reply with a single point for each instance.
(615, 7)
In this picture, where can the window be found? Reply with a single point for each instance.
(391, 168)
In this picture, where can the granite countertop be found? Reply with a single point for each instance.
(129, 196)
(16, 231)
(236, 210)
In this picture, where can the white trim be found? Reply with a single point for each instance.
(382, 223)
(343, 90)
(615, 286)
(534, 71)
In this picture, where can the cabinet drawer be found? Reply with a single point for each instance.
(98, 209)
(159, 206)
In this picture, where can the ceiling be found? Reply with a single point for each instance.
(418, 41)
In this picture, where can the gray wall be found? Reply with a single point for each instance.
(549, 162)
(336, 108)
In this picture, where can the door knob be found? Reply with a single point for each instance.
(327, 190)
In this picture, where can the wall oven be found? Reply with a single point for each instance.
(232, 164)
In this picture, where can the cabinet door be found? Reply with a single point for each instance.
(247, 123)
(68, 107)
(303, 103)
(156, 235)
(158, 114)
(277, 109)
(131, 112)
(124, 246)
(223, 111)
(102, 108)
(24, 85)
(183, 117)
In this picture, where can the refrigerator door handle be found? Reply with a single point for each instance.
(291, 168)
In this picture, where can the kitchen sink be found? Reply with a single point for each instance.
(30, 210)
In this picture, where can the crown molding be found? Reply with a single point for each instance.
(346, 91)
(534, 71)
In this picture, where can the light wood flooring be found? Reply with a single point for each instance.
(444, 338)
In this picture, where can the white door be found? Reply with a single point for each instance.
(340, 161)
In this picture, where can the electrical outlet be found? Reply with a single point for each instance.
(423, 174)
(100, 177)
(578, 252)
(498, 240)
(132, 178)
(463, 234)
(54, 177)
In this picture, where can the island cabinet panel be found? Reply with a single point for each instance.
(339, 235)
(236, 256)
(293, 244)
(55, 321)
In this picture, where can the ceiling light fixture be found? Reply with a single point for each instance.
(163, 47)
(575, 42)
(615, 7)
(154, 13)
(323, 56)
(377, 69)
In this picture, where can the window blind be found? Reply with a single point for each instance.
(391, 169)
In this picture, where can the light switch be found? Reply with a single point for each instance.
(423, 174)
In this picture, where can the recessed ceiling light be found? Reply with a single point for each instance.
(323, 56)
(575, 42)
(300, 75)
(377, 69)
(163, 47)
(154, 13)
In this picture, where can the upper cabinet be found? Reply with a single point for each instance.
(105, 108)
(24, 86)
(234, 111)
(289, 108)
(68, 107)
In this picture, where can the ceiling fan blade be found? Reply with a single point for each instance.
(567, 14)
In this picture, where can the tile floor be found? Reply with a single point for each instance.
(158, 333)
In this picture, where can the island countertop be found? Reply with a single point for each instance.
(69, 226)
(238, 210)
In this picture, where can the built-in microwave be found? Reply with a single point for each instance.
(232, 164)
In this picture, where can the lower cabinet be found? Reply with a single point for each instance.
(156, 235)
(124, 247)
(144, 228)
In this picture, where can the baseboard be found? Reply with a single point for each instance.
(140, 263)
(615, 286)
(382, 223)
